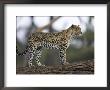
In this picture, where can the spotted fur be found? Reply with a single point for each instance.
(60, 40)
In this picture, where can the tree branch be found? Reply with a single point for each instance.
(48, 25)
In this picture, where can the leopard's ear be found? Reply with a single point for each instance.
(72, 26)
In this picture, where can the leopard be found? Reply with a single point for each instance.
(54, 40)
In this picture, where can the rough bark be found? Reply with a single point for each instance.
(83, 67)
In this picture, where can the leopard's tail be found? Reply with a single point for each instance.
(21, 53)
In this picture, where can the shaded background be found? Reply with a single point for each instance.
(81, 48)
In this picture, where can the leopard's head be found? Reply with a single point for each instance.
(75, 30)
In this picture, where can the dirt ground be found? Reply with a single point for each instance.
(82, 67)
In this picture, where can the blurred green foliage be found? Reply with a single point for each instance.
(84, 53)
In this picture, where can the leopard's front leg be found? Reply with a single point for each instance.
(63, 56)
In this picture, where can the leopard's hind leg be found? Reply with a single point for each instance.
(38, 55)
(30, 56)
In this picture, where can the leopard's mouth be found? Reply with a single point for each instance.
(80, 34)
